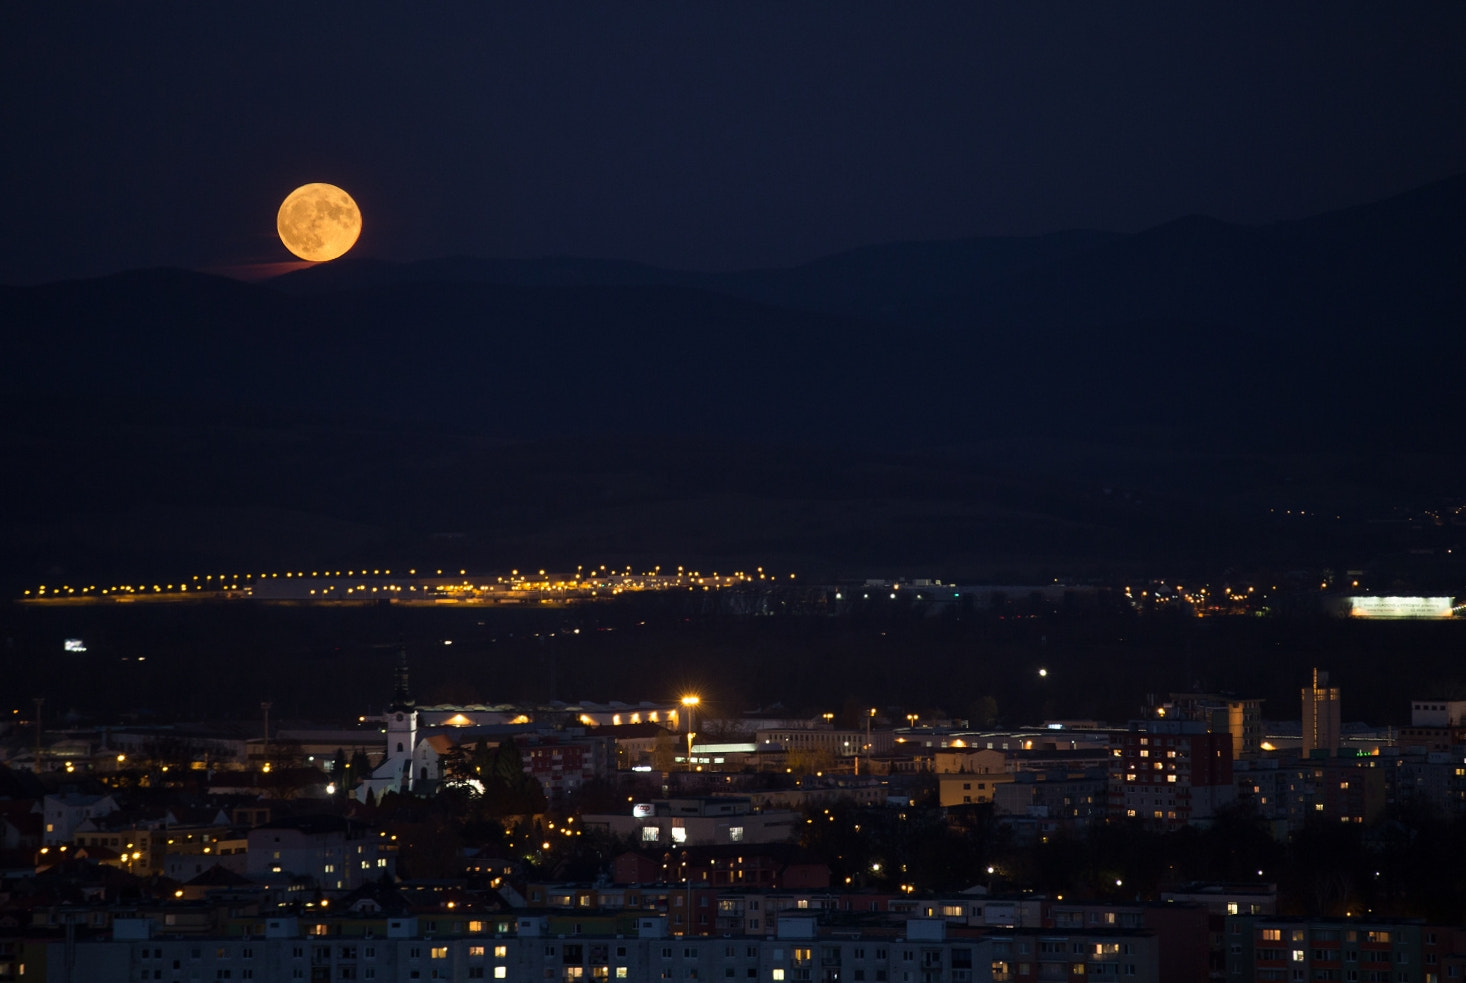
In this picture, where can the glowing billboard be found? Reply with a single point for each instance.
(1401, 607)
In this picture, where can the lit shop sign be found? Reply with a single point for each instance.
(643, 810)
(74, 645)
(1400, 607)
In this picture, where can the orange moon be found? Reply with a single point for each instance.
(318, 222)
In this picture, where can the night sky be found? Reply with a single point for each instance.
(699, 136)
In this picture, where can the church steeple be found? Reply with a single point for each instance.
(396, 768)
(401, 696)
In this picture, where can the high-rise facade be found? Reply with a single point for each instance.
(1321, 703)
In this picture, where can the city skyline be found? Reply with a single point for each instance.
(820, 493)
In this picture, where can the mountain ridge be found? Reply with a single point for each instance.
(1198, 366)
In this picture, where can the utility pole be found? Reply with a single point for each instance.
(39, 701)
(265, 706)
(869, 715)
(687, 873)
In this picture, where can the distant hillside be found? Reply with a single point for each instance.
(967, 404)
(874, 282)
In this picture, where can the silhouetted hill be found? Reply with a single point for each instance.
(1342, 269)
(350, 273)
(1195, 364)
(873, 282)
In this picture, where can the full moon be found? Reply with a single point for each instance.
(318, 222)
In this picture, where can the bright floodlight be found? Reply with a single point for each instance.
(690, 701)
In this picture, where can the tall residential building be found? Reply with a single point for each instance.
(1223, 714)
(1169, 773)
(1321, 704)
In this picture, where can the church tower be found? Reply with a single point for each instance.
(394, 772)
(401, 726)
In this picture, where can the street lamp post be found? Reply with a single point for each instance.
(868, 718)
(688, 702)
(265, 707)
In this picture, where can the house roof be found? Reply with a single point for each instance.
(632, 732)
(313, 824)
(217, 876)
(97, 853)
(783, 854)
(386, 898)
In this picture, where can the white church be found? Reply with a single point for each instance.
(418, 737)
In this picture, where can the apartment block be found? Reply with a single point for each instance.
(1169, 773)
(1353, 950)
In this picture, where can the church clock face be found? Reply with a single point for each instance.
(399, 718)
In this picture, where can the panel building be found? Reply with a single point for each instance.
(1170, 773)
(1321, 716)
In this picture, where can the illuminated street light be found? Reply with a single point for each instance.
(689, 702)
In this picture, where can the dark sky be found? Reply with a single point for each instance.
(700, 135)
